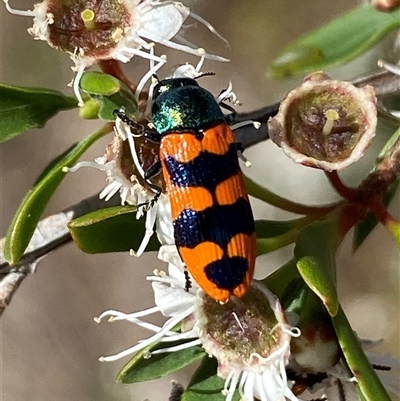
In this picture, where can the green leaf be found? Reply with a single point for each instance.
(315, 256)
(32, 206)
(114, 229)
(336, 42)
(22, 109)
(388, 148)
(366, 377)
(264, 194)
(98, 83)
(272, 235)
(140, 369)
(295, 295)
(107, 94)
(363, 228)
(278, 281)
(205, 385)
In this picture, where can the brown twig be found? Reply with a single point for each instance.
(45, 240)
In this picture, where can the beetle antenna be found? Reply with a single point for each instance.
(204, 74)
(156, 78)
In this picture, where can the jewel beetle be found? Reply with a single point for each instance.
(213, 222)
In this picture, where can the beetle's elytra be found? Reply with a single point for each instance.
(213, 221)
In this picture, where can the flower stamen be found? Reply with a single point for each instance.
(88, 19)
(169, 324)
(331, 116)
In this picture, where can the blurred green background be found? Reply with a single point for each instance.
(49, 342)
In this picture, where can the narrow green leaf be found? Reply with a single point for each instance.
(140, 369)
(388, 146)
(295, 296)
(272, 235)
(278, 281)
(114, 229)
(315, 256)
(264, 194)
(336, 42)
(32, 206)
(107, 94)
(363, 228)
(272, 228)
(22, 109)
(366, 377)
(205, 385)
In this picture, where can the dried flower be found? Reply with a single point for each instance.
(325, 123)
(95, 30)
(250, 338)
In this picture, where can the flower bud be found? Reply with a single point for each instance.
(325, 123)
(317, 349)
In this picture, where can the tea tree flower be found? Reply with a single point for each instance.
(124, 163)
(91, 31)
(172, 300)
(325, 123)
(250, 338)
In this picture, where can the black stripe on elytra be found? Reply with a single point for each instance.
(207, 170)
(228, 272)
(218, 223)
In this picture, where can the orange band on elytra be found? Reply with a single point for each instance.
(194, 198)
(200, 256)
(182, 147)
(229, 191)
(197, 259)
(217, 139)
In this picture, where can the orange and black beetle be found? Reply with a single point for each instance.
(213, 221)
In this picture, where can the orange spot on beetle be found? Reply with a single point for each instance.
(217, 139)
(229, 191)
(182, 147)
(194, 198)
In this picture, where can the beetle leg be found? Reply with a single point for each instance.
(230, 118)
(125, 119)
(152, 171)
(188, 281)
(152, 136)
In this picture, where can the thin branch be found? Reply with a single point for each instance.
(50, 234)
(249, 135)
(384, 82)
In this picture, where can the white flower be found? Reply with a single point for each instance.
(260, 374)
(172, 300)
(337, 383)
(111, 29)
(125, 175)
